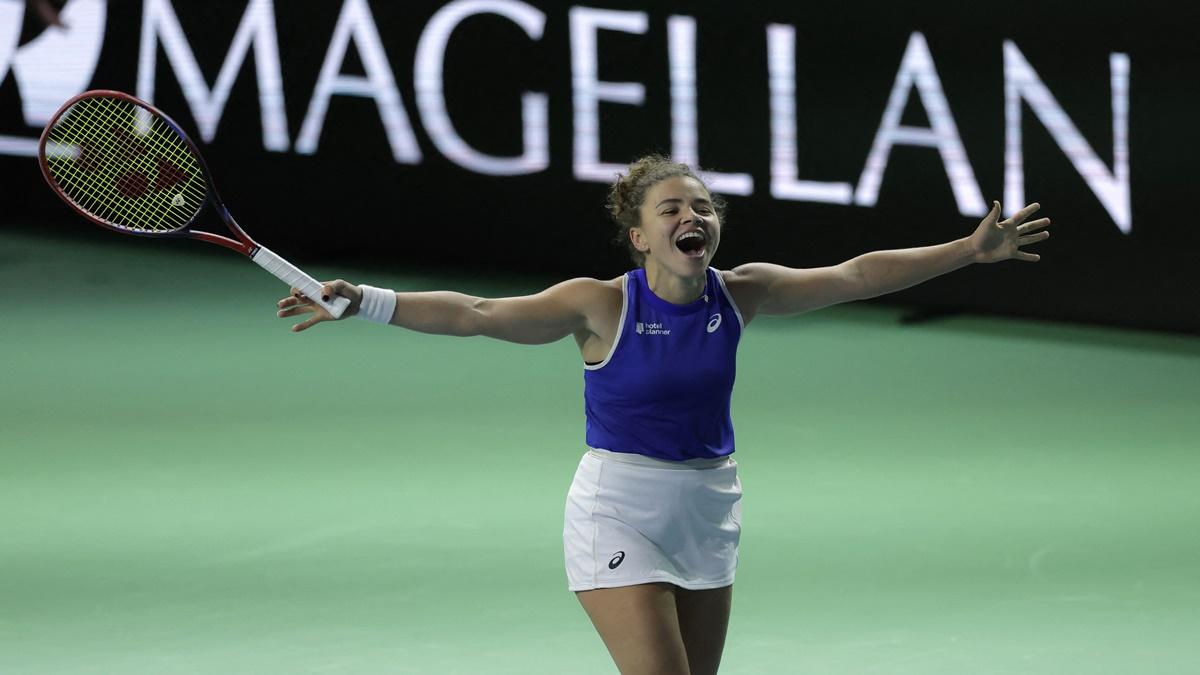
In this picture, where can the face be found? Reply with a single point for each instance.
(679, 227)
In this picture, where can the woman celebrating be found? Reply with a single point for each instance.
(653, 515)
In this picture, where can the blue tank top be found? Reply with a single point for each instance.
(664, 388)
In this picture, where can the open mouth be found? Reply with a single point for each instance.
(692, 243)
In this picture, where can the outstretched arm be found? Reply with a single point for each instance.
(550, 315)
(774, 289)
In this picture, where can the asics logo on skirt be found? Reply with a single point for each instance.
(616, 560)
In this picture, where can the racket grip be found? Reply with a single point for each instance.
(294, 277)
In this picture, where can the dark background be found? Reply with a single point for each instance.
(352, 204)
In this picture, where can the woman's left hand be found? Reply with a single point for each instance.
(995, 240)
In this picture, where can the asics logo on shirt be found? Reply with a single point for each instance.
(714, 323)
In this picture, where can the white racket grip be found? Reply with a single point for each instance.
(292, 276)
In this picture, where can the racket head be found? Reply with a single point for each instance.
(124, 164)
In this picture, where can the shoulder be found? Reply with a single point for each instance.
(587, 288)
(767, 288)
(748, 285)
(750, 274)
(597, 301)
(593, 297)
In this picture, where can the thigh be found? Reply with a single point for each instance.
(640, 626)
(703, 620)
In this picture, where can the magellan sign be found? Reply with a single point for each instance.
(61, 61)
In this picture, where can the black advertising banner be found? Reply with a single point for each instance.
(484, 133)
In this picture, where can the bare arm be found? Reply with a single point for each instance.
(550, 315)
(882, 272)
(561, 310)
(775, 289)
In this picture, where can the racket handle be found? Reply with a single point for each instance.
(292, 276)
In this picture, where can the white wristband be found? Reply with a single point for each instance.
(378, 304)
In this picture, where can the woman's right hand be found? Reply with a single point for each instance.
(297, 303)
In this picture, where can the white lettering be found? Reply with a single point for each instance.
(685, 135)
(589, 90)
(12, 12)
(257, 28)
(652, 329)
(60, 62)
(356, 23)
(785, 182)
(917, 68)
(431, 100)
(1021, 83)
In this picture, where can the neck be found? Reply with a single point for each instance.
(672, 287)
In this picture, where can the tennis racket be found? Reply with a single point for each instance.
(124, 164)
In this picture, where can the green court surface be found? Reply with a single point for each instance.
(187, 487)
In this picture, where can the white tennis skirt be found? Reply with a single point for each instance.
(632, 519)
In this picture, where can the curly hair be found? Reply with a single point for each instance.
(629, 191)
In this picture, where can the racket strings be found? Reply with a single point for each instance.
(99, 159)
(124, 165)
(82, 174)
(80, 125)
(108, 157)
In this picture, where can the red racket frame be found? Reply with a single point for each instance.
(243, 244)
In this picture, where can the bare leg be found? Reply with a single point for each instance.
(640, 626)
(703, 621)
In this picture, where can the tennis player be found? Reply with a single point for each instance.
(653, 516)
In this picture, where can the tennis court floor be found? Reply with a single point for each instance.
(187, 487)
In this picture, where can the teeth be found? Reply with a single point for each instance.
(690, 235)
